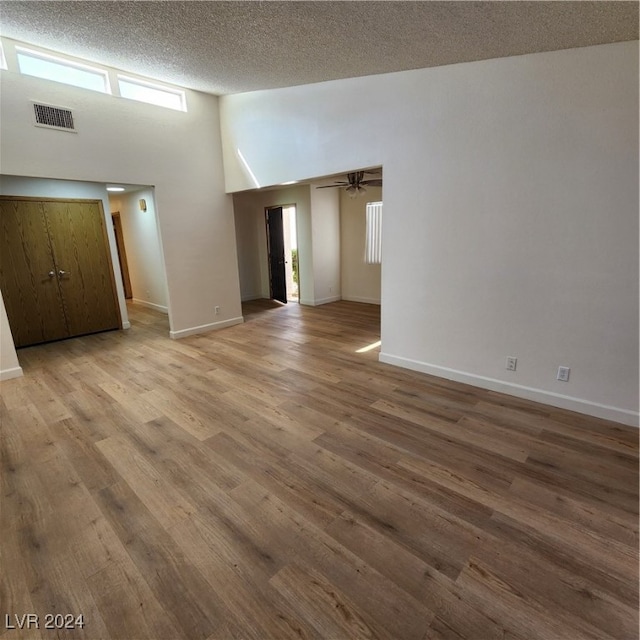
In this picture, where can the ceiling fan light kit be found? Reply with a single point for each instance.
(355, 191)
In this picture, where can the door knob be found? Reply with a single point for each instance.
(52, 273)
(63, 273)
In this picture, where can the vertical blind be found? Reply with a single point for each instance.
(373, 244)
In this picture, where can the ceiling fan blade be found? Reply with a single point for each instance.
(333, 186)
(372, 183)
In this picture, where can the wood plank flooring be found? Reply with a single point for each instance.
(269, 482)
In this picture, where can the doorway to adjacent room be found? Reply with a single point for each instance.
(282, 244)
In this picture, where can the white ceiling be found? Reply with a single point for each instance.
(231, 47)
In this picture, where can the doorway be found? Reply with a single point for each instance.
(291, 252)
(282, 249)
(138, 242)
(55, 269)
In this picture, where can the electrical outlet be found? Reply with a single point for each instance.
(217, 310)
(563, 374)
(512, 363)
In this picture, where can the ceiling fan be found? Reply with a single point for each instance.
(355, 184)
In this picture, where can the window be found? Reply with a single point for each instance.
(3, 60)
(152, 93)
(50, 67)
(41, 65)
(373, 244)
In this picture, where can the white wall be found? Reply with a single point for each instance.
(360, 281)
(122, 140)
(325, 236)
(251, 242)
(143, 248)
(511, 211)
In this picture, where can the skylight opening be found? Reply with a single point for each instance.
(150, 93)
(41, 65)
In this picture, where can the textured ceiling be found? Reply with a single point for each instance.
(230, 47)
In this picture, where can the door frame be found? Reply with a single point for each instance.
(270, 258)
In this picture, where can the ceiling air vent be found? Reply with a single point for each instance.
(53, 117)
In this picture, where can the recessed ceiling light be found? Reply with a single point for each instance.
(115, 188)
(284, 184)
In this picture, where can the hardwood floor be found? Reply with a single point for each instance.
(269, 481)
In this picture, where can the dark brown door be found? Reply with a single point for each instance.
(122, 255)
(28, 277)
(275, 237)
(83, 265)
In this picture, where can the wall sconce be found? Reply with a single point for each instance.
(143, 204)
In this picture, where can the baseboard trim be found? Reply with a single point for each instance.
(320, 301)
(570, 403)
(213, 326)
(7, 374)
(126, 325)
(151, 305)
(257, 296)
(363, 300)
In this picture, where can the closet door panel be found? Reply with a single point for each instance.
(83, 265)
(28, 280)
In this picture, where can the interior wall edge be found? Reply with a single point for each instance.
(213, 326)
(362, 300)
(579, 405)
(151, 305)
(253, 296)
(8, 374)
(320, 301)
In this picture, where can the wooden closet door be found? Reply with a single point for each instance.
(83, 265)
(28, 279)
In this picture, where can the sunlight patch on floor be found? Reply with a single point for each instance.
(369, 347)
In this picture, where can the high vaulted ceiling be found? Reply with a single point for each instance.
(231, 47)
